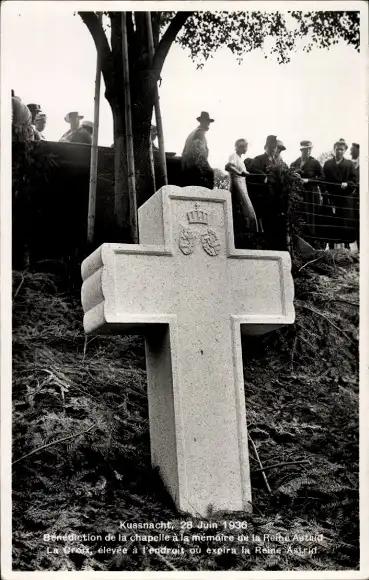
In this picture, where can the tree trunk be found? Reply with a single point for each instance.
(142, 110)
(121, 200)
(141, 125)
(144, 178)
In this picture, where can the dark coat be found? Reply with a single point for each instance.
(340, 172)
(311, 169)
(260, 164)
(342, 200)
(266, 199)
(356, 208)
(311, 209)
(260, 193)
(81, 136)
(196, 169)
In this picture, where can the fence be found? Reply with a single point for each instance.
(323, 214)
(52, 216)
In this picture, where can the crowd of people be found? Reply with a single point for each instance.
(29, 121)
(330, 206)
(330, 194)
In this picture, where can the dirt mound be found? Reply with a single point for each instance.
(81, 442)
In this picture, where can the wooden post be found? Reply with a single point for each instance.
(129, 137)
(94, 152)
(159, 124)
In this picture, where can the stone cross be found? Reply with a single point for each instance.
(191, 293)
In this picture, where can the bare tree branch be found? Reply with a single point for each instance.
(90, 19)
(56, 442)
(280, 464)
(328, 320)
(261, 465)
(168, 38)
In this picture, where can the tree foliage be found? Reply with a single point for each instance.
(202, 33)
(323, 157)
(221, 179)
(205, 32)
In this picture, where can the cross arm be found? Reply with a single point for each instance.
(263, 300)
(121, 288)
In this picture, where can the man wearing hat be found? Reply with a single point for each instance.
(196, 169)
(73, 118)
(278, 158)
(340, 173)
(35, 110)
(83, 134)
(308, 168)
(263, 161)
(260, 191)
(40, 124)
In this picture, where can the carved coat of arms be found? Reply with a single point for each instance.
(187, 241)
(188, 237)
(210, 242)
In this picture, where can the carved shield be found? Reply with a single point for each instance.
(187, 241)
(210, 242)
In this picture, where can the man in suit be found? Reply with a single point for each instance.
(83, 134)
(35, 110)
(196, 169)
(74, 120)
(260, 191)
(280, 148)
(261, 162)
(40, 124)
(309, 170)
(340, 173)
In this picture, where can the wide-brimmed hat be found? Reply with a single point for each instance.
(33, 107)
(271, 140)
(88, 124)
(340, 142)
(280, 145)
(305, 145)
(72, 114)
(204, 117)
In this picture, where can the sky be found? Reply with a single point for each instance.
(317, 96)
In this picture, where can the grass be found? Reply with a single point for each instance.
(301, 386)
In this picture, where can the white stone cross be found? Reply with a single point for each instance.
(190, 292)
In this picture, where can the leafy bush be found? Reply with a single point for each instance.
(221, 179)
(30, 166)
